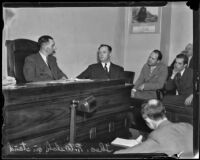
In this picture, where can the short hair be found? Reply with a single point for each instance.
(105, 45)
(153, 109)
(43, 39)
(184, 57)
(158, 53)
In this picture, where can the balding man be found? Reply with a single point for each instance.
(166, 137)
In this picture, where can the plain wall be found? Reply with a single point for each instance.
(77, 31)
(181, 29)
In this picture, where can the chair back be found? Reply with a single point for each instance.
(129, 76)
(17, 51)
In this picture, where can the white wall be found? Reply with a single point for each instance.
(78, 32)
(181, 28)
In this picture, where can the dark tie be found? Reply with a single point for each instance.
(105, 67)
(178, 77)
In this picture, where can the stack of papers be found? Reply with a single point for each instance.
(126, 142)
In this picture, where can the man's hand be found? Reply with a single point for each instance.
(133, 92)
(188, 100)
(174, 72)
(141, 87)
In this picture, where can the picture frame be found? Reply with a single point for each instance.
(145, 20)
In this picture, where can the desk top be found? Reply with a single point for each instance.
(61, 83)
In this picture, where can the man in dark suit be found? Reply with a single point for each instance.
(188, 51)
(166, 137)
(104, 69)
(182, 81)
(42, 66)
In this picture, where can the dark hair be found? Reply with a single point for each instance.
(158, 53)
(184, 57)
(43, 39)
(105, 45)
(153, 109)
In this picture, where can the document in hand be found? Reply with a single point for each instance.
(126, 142)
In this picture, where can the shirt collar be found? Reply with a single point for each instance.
(182, 71)
(43, 57)
(108, 64)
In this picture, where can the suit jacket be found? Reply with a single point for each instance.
(152, 81)
(169, 138)
(96, 71)
(185, 87)
(35, 69)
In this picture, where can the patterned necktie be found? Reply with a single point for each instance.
(105, 68)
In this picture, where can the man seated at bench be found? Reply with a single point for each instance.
(181, 80)
(166, 137)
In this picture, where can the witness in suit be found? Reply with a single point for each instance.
(166, 137)
(152, 77)
(104, 69)
(182, 81)
(42, 66)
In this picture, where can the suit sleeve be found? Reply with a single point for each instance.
(148, 146)
(29, 70)
(85, 74)
(140, 80)
(189, 82)
(162, 76)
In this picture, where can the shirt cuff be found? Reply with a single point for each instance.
(134, 90)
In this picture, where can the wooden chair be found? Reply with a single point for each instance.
(17, 51)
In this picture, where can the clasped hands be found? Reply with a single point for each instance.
(140, 88)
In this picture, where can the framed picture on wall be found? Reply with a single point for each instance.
(145, 19)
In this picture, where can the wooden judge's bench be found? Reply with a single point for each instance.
(38, 112)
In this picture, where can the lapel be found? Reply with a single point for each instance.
(183, 78)
(43, 65)
(52, 66)
(112, 69)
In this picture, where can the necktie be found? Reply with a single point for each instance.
(178, 77)
(105, 67)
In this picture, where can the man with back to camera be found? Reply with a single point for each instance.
(166, 137)
(42, 66)
(152, 77)
(182, 81)
(104, 69)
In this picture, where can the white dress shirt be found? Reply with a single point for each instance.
(108, 65)
(44, 58)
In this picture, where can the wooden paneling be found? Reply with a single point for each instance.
(38, 113)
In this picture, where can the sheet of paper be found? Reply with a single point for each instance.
(126, 142)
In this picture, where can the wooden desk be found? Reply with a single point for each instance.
(40, 113)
